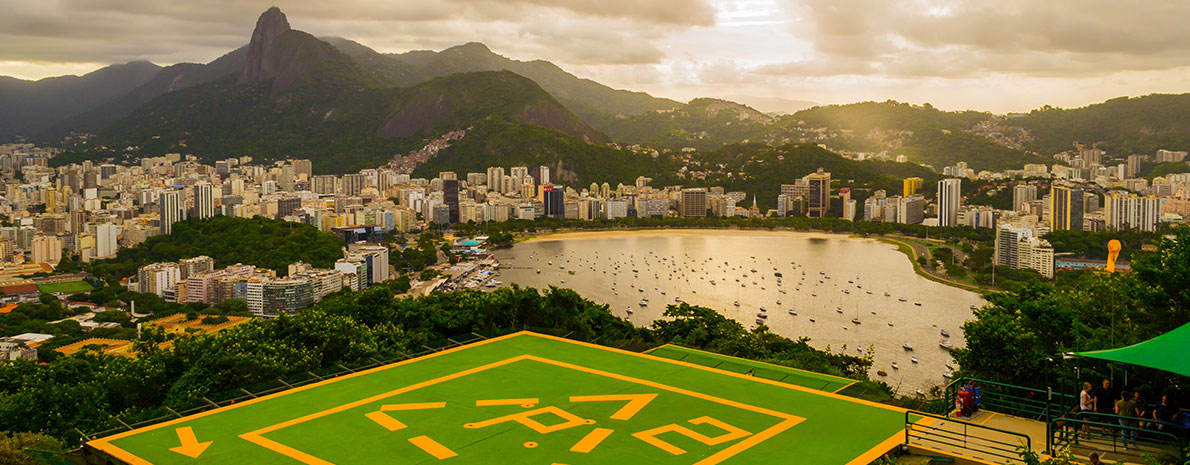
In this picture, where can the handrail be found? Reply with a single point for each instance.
(1045, 405)
(965, 439)
(1062, 429)
(1113, 419)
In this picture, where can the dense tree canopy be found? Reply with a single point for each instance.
(259, 241)
(347, 328)
(1020, 337)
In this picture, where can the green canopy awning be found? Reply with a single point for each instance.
(1166, 352)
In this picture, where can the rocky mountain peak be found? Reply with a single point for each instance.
(264, 60)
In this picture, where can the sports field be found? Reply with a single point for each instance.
(76, 286)
(528, 399)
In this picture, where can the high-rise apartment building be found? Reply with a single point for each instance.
(353, 184)
(323, 184)
(105, 240)
(496, 179)
(949, 198)
(204, 201)
(47, 249)
(1130, 211)
(1022, 194)
(302, 169)
(169, 205)
(1018, 248)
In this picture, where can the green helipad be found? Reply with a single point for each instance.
(528, 399)
(783, 374)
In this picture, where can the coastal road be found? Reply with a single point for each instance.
(920, 250)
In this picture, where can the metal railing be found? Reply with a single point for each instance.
(1122, 436)
(977, 441)
(1020, 401)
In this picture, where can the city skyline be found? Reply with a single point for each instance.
(1019, 56)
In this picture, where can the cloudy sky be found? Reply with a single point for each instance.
(1005, 55)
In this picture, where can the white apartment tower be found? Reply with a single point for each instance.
(204, 201)
(170, 206)
(949, 197)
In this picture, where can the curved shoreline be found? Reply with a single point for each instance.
(646, 232)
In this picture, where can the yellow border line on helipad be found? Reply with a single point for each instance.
(730, 373)
(786, 420)
(104, 444)
(849, 380)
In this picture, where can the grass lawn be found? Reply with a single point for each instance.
(530, 399)
(72, 287)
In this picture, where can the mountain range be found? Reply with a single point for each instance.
(346, 106)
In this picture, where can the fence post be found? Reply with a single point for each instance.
(907, 426)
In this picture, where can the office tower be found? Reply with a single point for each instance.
(553, 199)
(353, 184)
(819, 199)
(694, 202)
(204, 201)
(912, 186)
(105, 240)
(450, 196)
(1066, 208)
(1022, 194)
(949, 198)
(545, 175)
(169, 205)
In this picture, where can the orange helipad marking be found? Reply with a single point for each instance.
(432, 447)
(650, 436)
(635, 403)
(589, 442)
(526, 418)
(527, 403)
(392, 424)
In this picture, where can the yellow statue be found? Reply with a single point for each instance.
(1113, 252)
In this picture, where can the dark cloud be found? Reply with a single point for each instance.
(574, 31)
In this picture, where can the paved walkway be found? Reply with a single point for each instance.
(980, 438)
